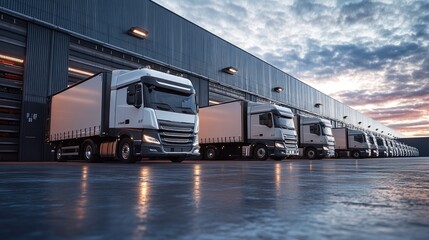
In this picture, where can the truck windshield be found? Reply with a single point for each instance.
(169, 100)
(327, 130)
(283, 122)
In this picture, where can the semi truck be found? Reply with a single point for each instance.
(125, 115)
(247, 129)
(350, 142)
(383, 148)
(315, 139)
(373, 145)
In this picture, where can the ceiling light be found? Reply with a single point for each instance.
(12, 59)
(81, 72)
(138, 32)
(317, 105)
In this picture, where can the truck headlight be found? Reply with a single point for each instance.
(325, 148)
(279, 145)
(150, 139)
(196, 143)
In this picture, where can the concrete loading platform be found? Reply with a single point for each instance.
(292, 199)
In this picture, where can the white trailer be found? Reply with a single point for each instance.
(249, 129)
(127, 115)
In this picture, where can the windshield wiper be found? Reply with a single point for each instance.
(163, 106)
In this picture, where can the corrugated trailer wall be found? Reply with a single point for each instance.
(45, 72)
(175, 41)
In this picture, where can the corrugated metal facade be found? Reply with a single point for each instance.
(42, 77)
(172, 40)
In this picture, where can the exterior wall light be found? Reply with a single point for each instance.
(317, 105)
(359, 122)
(345, 117)
(382, 131)
(278, 89)
(376, 129)
(230, 70)
(369, 126)
(138, 32)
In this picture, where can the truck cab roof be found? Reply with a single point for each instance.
(268, 107)
(122, 78)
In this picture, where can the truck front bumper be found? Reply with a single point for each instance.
(365, 153)
(158, 151)
(325, 152)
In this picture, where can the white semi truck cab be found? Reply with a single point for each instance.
(127, 115)
(242, 128)
(315, 138)
(373, 145)
(384, 149)
(351, 142)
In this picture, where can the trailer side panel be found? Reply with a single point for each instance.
(77, 111)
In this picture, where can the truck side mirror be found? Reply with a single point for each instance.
(269, 120)
(134, 95)
(138, 96)
(131, 92)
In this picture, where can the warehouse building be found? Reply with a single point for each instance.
(48, 45)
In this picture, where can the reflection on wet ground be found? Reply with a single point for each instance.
(298, 199)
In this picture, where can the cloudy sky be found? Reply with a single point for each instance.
(372, 55)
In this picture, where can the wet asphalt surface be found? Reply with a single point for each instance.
(292, 199)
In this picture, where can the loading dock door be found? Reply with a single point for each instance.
(12, 54)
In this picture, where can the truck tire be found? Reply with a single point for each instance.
(210, 153)
(356, 154)
(311, 153)
(126, 151)
(260, 152)
(59, 154)
(89, 151)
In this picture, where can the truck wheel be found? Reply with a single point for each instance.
(311, 153)
(210, 153)
(89, 151)
(260, 152)
(59, 154)
(337, 154)
(126, 151)
(356, 154)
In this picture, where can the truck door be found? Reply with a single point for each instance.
(261, 126)
(312, 133)
(129, 105)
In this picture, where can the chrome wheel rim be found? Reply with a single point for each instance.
(125, 151)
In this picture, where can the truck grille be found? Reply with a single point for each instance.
(176, 136)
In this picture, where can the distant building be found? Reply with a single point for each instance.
(48, 45)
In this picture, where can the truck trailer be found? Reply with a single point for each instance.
(315, 139)
(125, 115)
(247, 129)
(351, 142)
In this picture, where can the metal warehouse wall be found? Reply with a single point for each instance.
(422, 144)
(180, 43)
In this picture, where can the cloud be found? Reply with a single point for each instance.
(371, 55)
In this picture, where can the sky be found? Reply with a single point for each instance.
(371, 55)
